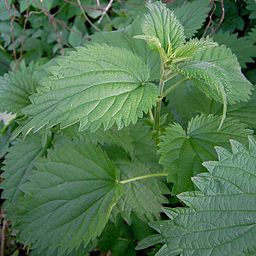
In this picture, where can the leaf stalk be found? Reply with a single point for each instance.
(147, 176)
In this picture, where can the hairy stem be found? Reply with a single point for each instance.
(159, 174)
(159, 102)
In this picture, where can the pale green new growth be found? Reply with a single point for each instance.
(187, 51)
(221, 217)
(94, 85)
(161, 24)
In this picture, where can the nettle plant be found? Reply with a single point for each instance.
(64, 182)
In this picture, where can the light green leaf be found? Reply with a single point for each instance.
(220, 218)
(216, 72)
(143, 197)
(182, 152)
(188, 50)
(216, 68)
(192, 15)
(243, 47)
(125, 39)
(94, 85)
(18, 165)
(69, 198)
(238, 87)
(16, 87)
(161, 23)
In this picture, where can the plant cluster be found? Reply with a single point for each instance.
(107, 139)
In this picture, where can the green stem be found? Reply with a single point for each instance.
(159, 174)
(173, 87)
(159, 102)
(151, 114)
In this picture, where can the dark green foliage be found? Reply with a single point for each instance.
(110, 109)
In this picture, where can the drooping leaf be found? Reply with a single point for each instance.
(18, 165)
(160, 23)
(238, 87)
(143, 197)
(69, 198)
(182, 152)
(243, 47)
(192, 15)
(187, 92)
(218, 67)
(16, 87)
(94, 85)
(216, 72)
(220, 218)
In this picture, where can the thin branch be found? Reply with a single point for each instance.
(86, 17)
(12, 18)
(4, 226)
(106, 10)
(221, 19)
(210, 22)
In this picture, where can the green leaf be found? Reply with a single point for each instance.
(143, 197)
(188, 50)
(125, 39)
(46, 5)
(160, 23)
(245, 112)
(218, 68)
(5, 58)
(145, 149)
(251, 6)
(117, 238)
(94, 85)
(216, 72)
(238, 88)
(182, 152)
(16, 87)
(121, 138)
(243, 47)
(220, 218)
(18, 165)
(192, 15)
(68, 199)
